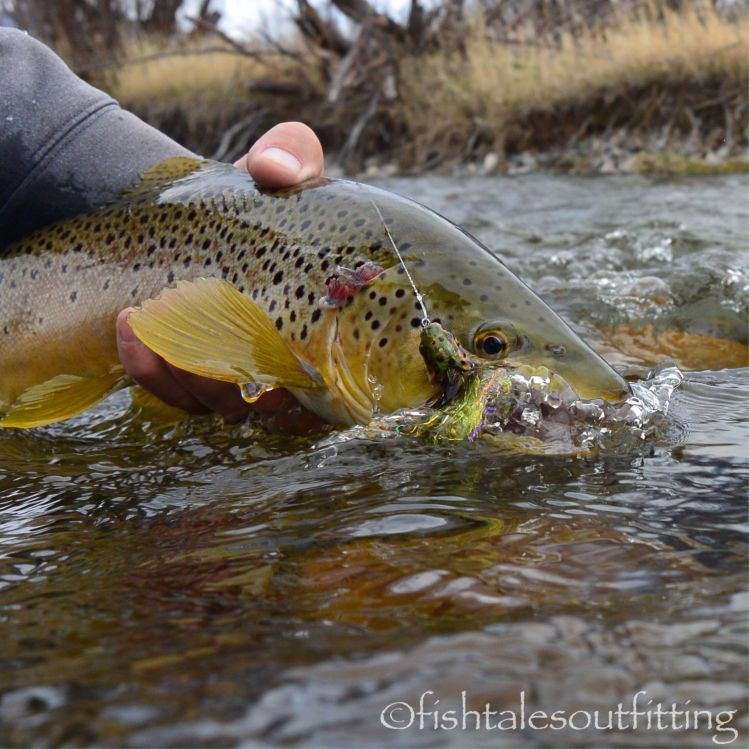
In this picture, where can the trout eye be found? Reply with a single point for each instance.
(492, 344)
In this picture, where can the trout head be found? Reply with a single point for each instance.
(491, 313)
(520, 329)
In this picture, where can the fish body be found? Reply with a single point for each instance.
(326, 306)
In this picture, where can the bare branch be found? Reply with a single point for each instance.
(324, 35)
(361, 11)
(211, 27)
(228, 149)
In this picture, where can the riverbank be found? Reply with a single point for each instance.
(653, 90)
(620, 152)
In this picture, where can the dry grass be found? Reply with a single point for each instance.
(679, 165)
(209, 71)
(686, 70)
(493, 86)
(205, 94)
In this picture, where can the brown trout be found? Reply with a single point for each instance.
(300, 288)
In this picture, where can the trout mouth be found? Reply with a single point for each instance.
(590, 376)
(565, 354)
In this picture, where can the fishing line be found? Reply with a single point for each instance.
(425, 321)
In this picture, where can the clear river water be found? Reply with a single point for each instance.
(196, 584)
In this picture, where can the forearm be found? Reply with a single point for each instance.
(65, 146)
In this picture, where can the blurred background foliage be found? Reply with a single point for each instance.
(589, 85)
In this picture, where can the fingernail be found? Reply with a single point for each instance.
(283, 158)
(126, 334)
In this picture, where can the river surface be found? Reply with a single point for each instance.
(193, 584)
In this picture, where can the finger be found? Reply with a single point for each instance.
(150, 370)
(274, 402)
(282, 410)
(287, 154)
(222, 397)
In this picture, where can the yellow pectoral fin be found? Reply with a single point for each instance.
(59, 398)
(209, 328)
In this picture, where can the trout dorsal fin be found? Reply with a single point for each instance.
(163, 173)
(209, 328)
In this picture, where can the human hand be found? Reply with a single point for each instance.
(287, 154)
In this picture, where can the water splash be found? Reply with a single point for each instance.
(533, 409)
(551, 412)
(650, 397)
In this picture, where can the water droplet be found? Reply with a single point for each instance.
(376, 388)
(251, 391)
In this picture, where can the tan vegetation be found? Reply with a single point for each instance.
(456, 83)
(678, 164)
(210, 72)
(657, 57)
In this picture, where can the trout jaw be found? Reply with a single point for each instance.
(586, 372)
(537, 337)
(597, 382)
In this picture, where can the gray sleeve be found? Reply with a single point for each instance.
(65, 146)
